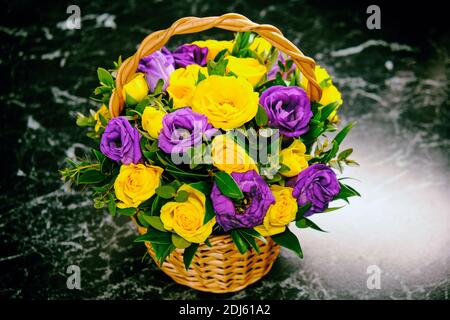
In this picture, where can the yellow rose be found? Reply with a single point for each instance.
(152, 121)
(214, 47)
(186, 218)
(136, 183)
(294, 157)
(247, 68)
(182, 84)
(135, 90)
(329, 91)
(279, 214)
(261, 46)
(104, 112)
(229, 156)
(228, 102)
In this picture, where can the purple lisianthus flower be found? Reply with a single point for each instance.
(272, 74)
(189, 54)
(120, 141)
(288, 109)
(158, 65)
(183, 129)
(317, 185)
(251, 212)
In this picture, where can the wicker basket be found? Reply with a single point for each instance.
(219, 268)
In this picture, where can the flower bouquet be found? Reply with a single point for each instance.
(214, 148)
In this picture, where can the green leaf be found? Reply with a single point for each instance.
(254, 234)
(179, 242)
(106, 165)
(240, 242)
(241, 43)
(162, 251)
(181, 196)
(249, 238)
(220, 55)
(90, 177)
(140, 217)
(154, 210)
(313, 133)
(175, 184)
(227, 185)
(218, 68)
(112, 205)
(344, 154)
(189, 254)
(210, 213)
(306, 223)
(179, 173)
(351, 163)
(289, 64)
(105, 77)
(202, 186)
(343, 133)
(330, 154)
(166, 192)
(327, 110)
(200, 77)
(250, 241)
(208, 243)
(325, 83)
(288, 240)
(99, 203)
(281, 66)
(276, 178)
(158, 87)
(333, 209)
(142, 104)
(103, 121)
(261, 117)
(346, 192)
(126, 211)
(83, 121)
(302, 210)
(155, 237)
(155, 222)
(284, 168)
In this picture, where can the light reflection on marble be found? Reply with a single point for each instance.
(398, 97)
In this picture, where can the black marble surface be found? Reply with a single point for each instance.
(394, 83)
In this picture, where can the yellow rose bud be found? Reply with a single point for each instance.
(152, 121)
(279, 214)
(229, 156)
(214, 47)
(104, 112)
(136, 183)
(247, 68)
(261, 46)
(135, 90)
(294, 157)
(186, 218)
(228, 102)
(182, 84)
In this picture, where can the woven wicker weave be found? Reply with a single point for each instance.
(219, 268)
(229, 21)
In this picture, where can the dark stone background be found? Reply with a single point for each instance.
(394, 83)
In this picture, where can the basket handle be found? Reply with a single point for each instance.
(230, 21)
